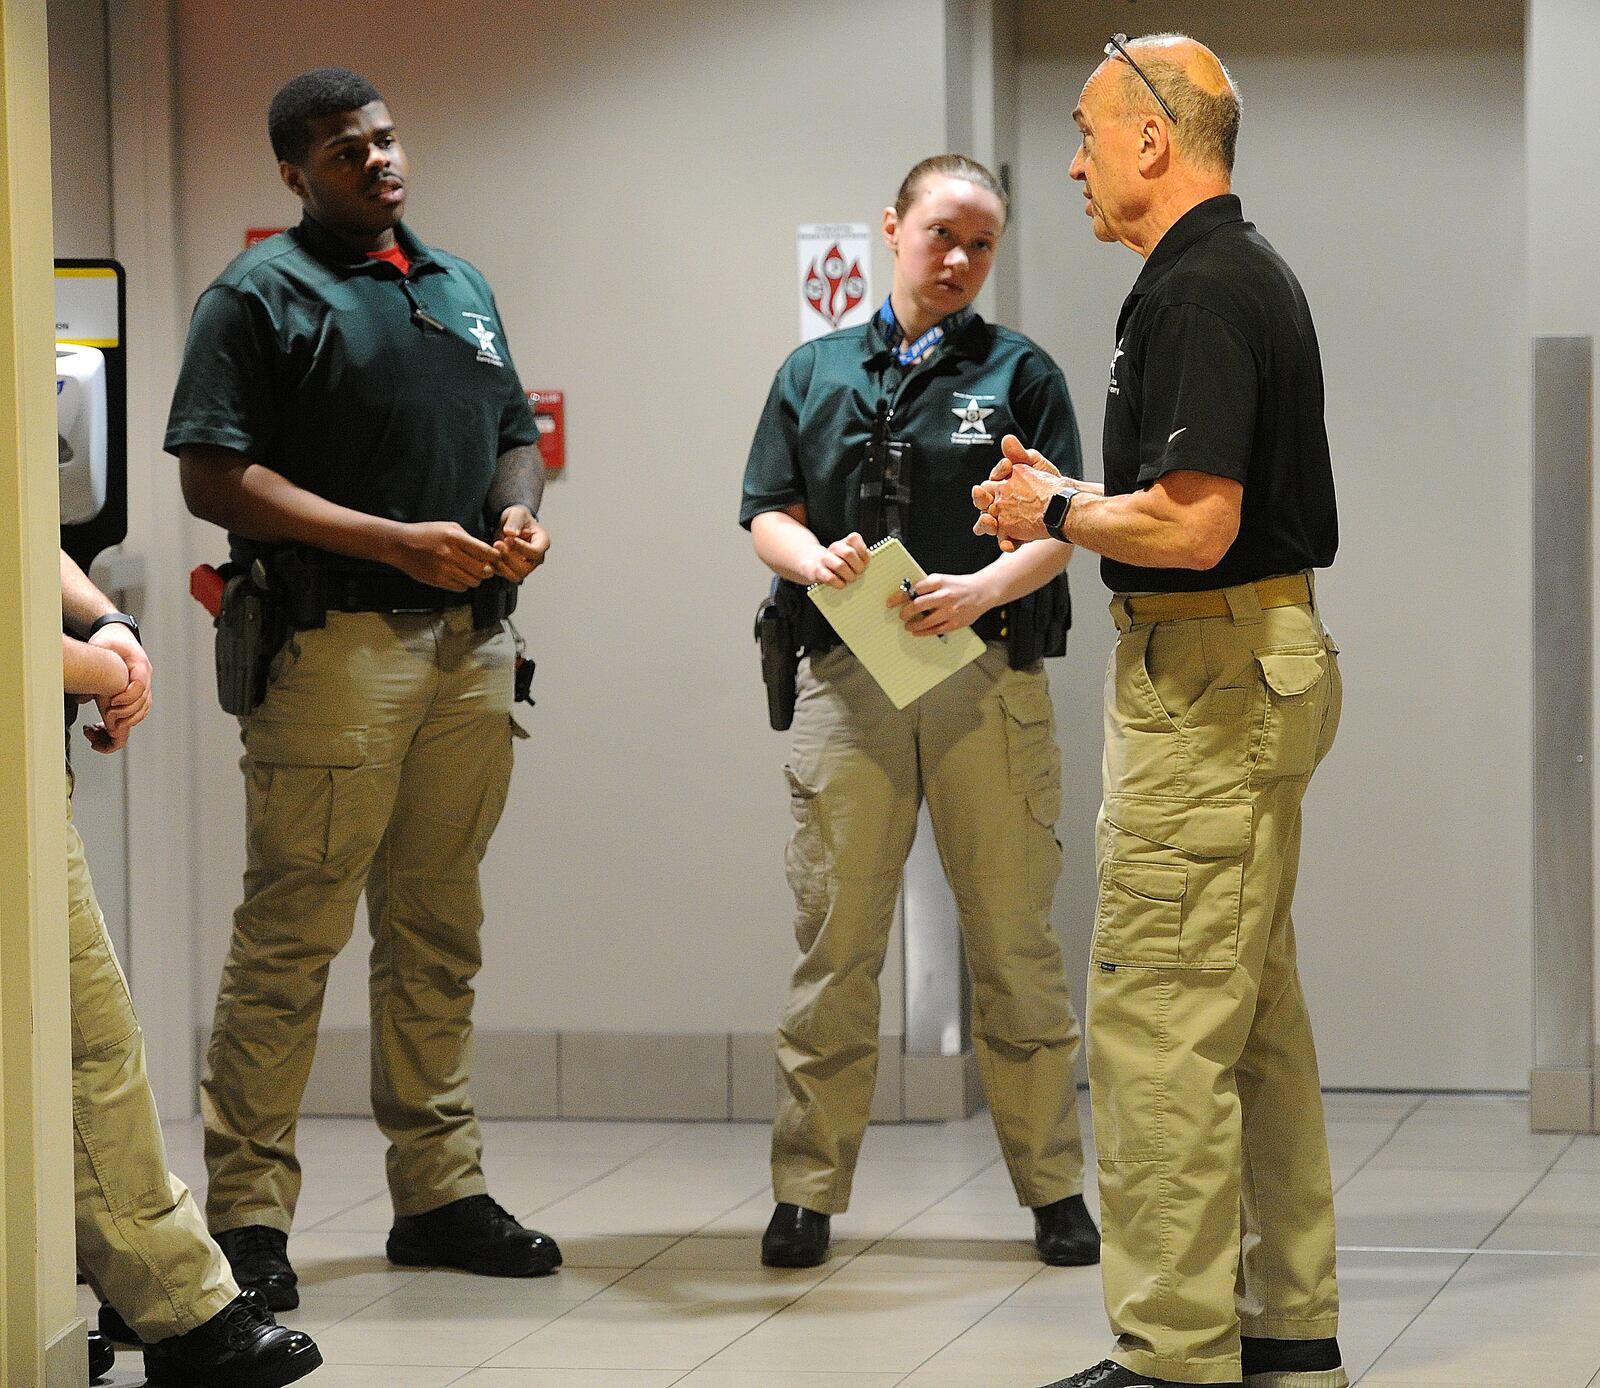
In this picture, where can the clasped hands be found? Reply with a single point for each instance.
(444, 555)
(1012, 501)
(120, 713)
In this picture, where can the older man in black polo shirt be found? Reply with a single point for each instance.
(348, 410)
(1222, 698)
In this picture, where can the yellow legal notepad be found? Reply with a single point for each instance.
(906, 666)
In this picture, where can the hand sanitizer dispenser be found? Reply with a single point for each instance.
(81, 431)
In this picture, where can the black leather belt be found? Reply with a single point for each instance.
(386, 593)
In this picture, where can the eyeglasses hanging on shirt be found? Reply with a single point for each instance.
(418, 313)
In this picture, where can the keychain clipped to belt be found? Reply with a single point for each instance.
(522, 679)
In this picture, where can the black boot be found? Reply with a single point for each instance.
(241, 1346)
(1109, 1374)
(119, 1332)
(260, 1259)
(796, 1238)
(1065, 1235)
(1269, 1358)
(102, 1356)
(473, 1233)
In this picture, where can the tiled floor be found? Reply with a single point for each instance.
(1470, 1256)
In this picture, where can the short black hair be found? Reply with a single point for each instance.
(324, 92)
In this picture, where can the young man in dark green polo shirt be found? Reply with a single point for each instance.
(347, 398)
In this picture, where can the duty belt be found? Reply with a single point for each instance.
(1289, 590)
(386, 593)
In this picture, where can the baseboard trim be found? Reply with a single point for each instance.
(715, 1076)
(66, 1358)
(1563, 1101)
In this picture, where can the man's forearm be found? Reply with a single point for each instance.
(252, 500)
(81, 601)
(1139, 528)
(518, 481)
(95, 671)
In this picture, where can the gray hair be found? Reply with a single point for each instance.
(1207, 128)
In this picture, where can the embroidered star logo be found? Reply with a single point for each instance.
(972, 415)
(485, 338)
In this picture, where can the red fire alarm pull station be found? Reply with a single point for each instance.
(550, 414)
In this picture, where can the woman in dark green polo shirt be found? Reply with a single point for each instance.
(934, 377)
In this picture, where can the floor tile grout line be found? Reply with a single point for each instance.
(1372, 1156)
(1470, 1255)
(834, 1272)
(640, 1267)
(1539, 1181)
(1466, 1257)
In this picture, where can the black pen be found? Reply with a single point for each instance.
(910, 592)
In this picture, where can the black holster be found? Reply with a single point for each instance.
(493, 601)
(251, 629)
(1039, 624)
(778, 623)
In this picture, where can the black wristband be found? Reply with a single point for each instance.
(1055, 513)
(121, 619)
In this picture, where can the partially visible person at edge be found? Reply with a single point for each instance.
(980, 746)
(348, 409)
(142, 1243)
(1222, 698)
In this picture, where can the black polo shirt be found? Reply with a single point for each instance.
(1217, 370)
(981, 383)
(310, 358)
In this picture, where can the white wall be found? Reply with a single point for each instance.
(80, 148)
(1386, 162)
(629, 177)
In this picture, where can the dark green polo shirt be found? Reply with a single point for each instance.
(981, 383)
(310, 358)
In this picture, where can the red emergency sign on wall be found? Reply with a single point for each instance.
(549, 412)
(255, 234)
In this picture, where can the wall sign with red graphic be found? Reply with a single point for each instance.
(255, 234)
(550, 414)
(835, 261)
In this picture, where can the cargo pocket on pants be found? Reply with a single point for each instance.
(1171, 884)
(804, 859)
(1296, 701)
(306, 811)
(1033, 762)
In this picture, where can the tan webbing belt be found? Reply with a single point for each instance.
(1289, 590)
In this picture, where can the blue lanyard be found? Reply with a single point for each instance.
(923, 347)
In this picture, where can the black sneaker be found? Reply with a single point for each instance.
(1314, 1363)
(796, 1238)
(1107, 1374)
(102, 1356)
(119, 1332)
(1065, 1235)
(260, 1259)
(474, 1233)
(241, 1346)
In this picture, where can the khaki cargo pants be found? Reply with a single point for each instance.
(379, 760)
(1215, 1197)
(141, 1240)
(981, 748)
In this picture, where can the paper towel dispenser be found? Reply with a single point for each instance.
(81, 431)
